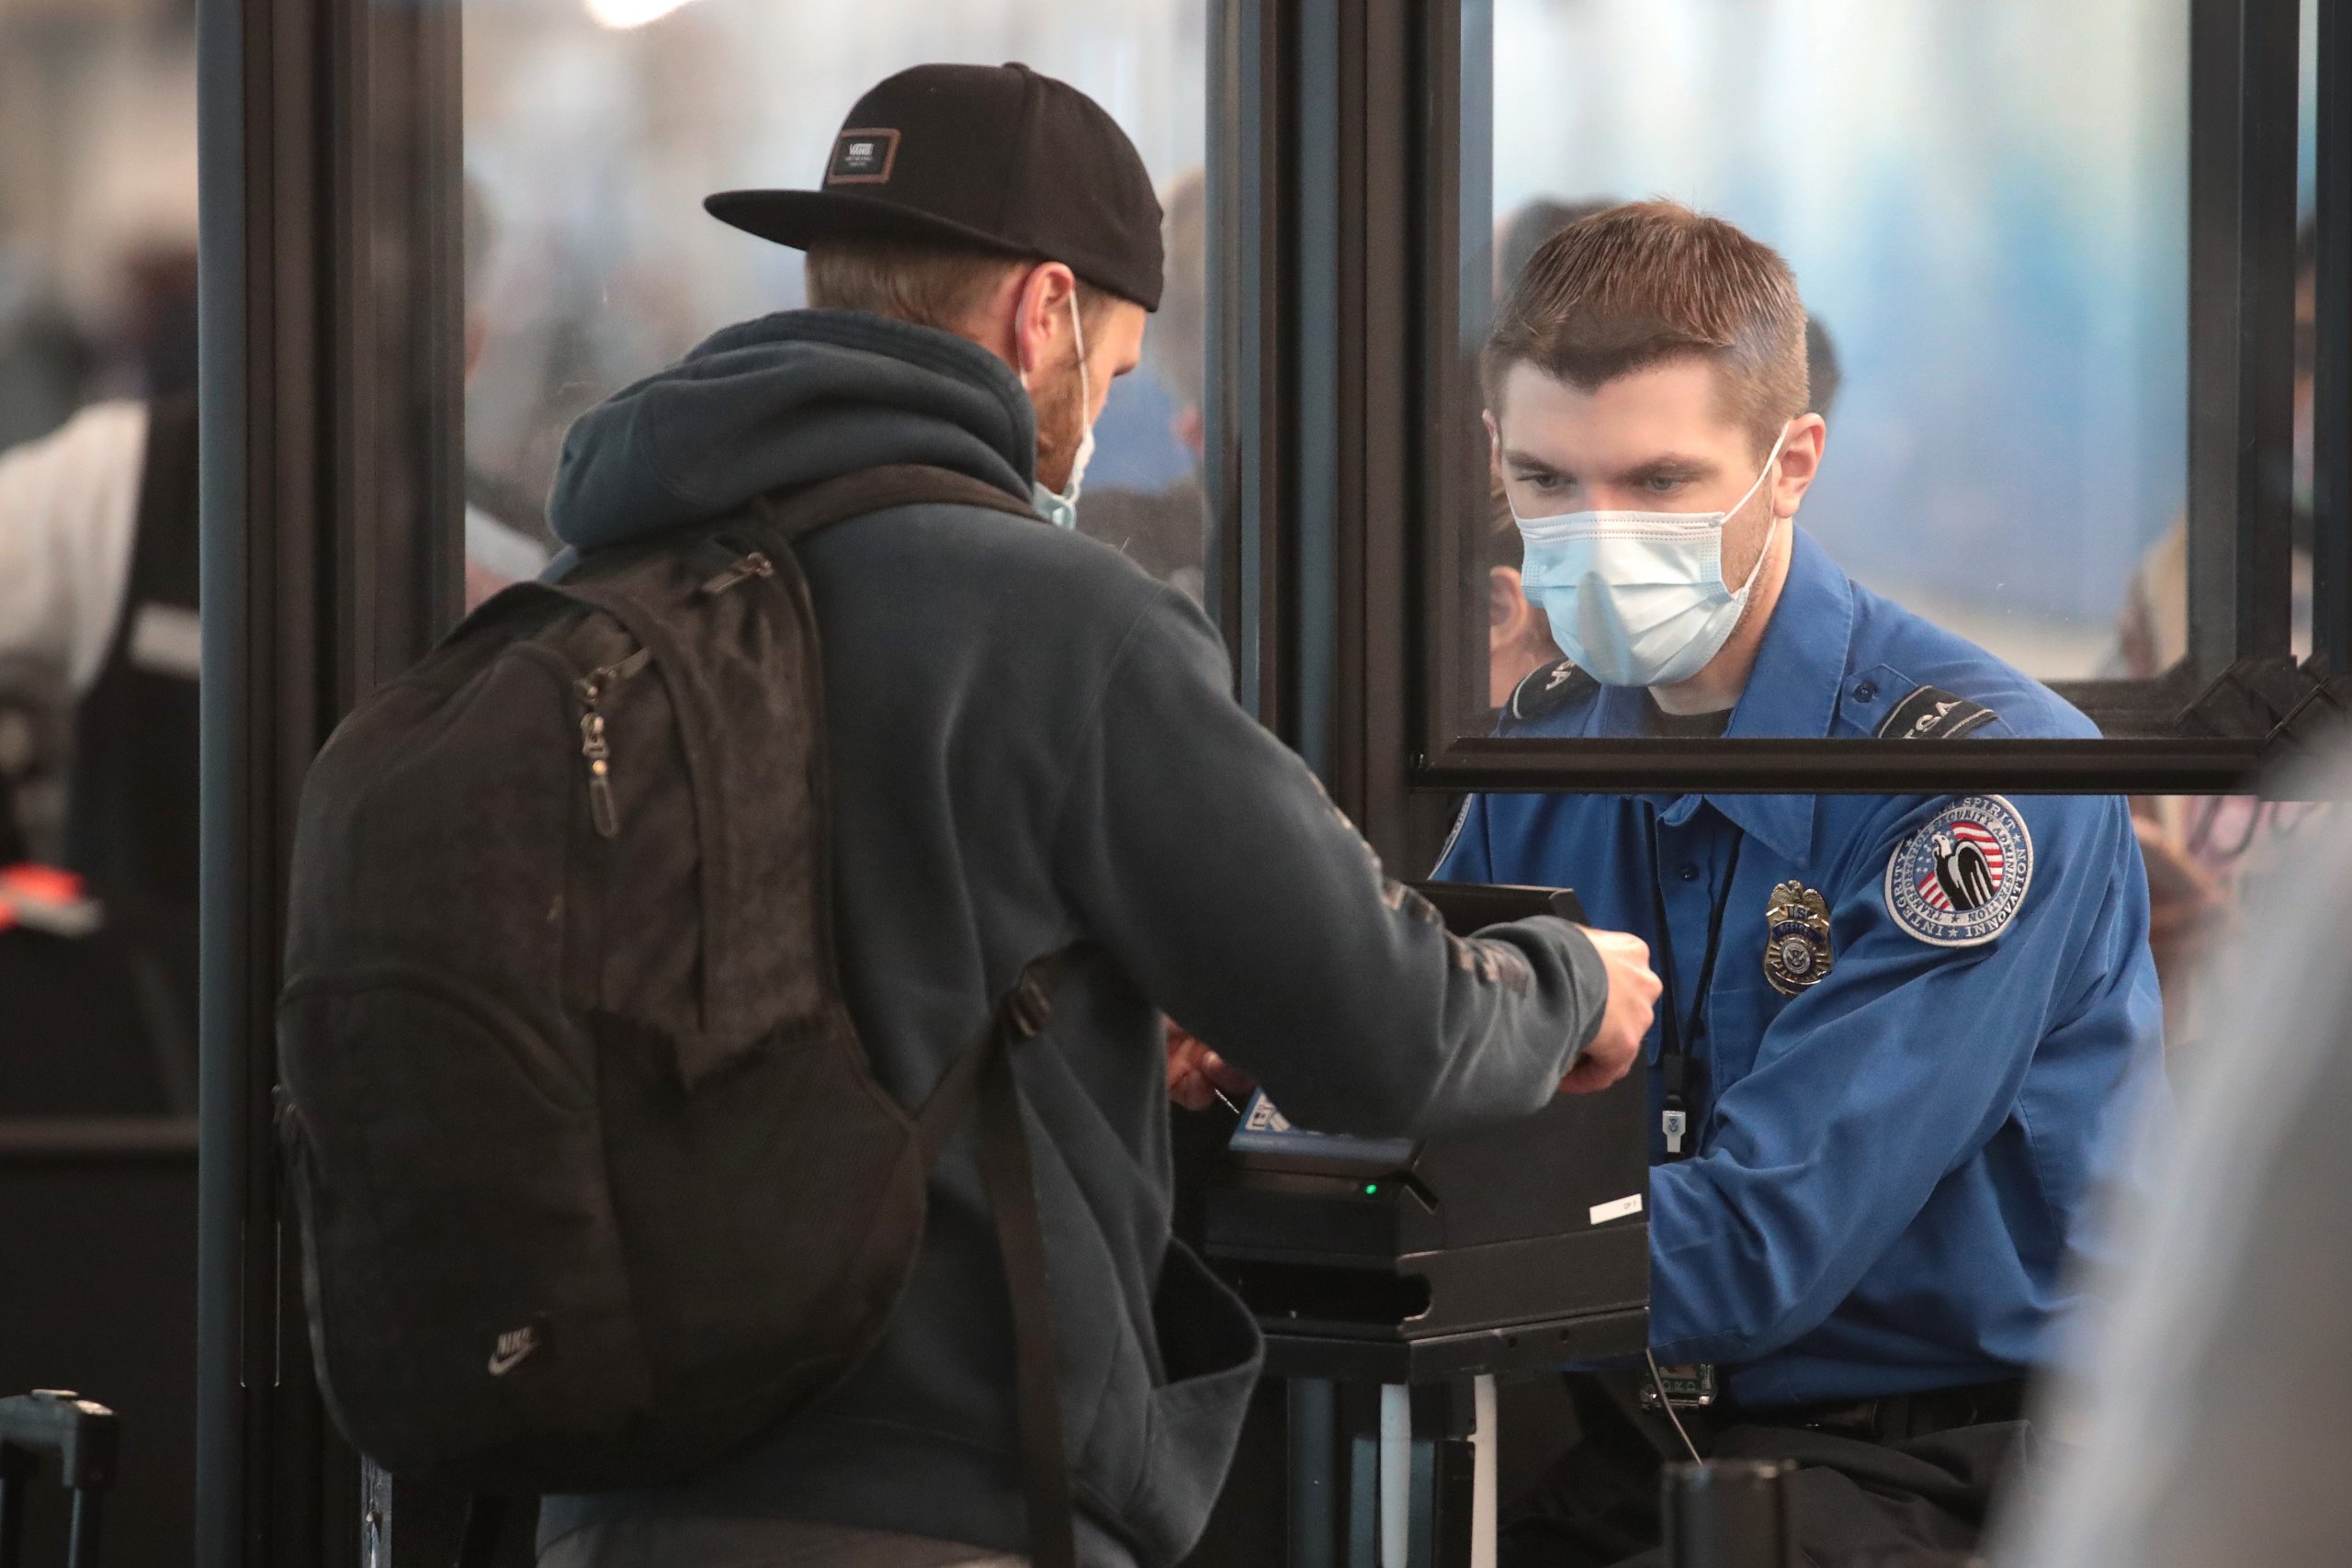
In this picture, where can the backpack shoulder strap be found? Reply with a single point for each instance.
(795, 516)
(983, 1077)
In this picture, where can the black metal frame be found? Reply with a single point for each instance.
(2164, 737)
(331, 358)
(1251, 370)
(2242, 309)
(2332, 370)
(1337, 105)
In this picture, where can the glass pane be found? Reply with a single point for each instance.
(98, 765)
(594, 128)
(1985, 210)
(98, 627)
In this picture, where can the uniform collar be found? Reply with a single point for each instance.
(1792, 692)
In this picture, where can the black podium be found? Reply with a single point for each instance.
(1397, 1280)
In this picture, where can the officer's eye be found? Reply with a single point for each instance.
(1545, 484)
(1662, 484)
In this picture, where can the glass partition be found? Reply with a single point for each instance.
(594, 128)
(1987, 212)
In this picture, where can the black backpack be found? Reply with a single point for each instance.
(593, 1179)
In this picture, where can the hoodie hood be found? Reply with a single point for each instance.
(783, 403)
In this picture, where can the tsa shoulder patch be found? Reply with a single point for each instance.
(1933, 714)
(1961, 879)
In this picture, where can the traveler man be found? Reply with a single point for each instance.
(1031, 742)
(1898, 1031)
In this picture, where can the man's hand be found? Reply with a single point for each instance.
(1196, 1075)
(1632, 1005)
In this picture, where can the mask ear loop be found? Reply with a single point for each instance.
(1764, 554)
(1770, 459)
(1078, 336)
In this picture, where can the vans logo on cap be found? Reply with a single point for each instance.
(863, 158)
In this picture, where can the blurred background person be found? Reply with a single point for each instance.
(99, 616)
(2205, 1425)
(55, 611)
(46, 360)
(98, 621)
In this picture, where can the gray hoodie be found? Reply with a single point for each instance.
(1033, 742)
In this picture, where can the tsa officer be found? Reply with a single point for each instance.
(1898, 1035)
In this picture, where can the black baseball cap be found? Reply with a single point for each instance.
(992, 156)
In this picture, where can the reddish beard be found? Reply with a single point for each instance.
(1061, 424)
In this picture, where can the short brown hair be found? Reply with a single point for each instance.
(930, 285)
(1651, 281)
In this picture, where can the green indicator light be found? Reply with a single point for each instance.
(1372, 1188)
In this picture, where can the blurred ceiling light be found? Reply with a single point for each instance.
(619, 14)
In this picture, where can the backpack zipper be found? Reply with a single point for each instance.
(754, 564)
(598, 752)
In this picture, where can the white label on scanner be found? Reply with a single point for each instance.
(1604, 1213)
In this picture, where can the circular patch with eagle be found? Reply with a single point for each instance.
(1961, 879)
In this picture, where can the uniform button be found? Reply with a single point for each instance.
(1866, 692)
(1690, 874)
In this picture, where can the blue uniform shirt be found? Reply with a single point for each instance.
(1887, 1171)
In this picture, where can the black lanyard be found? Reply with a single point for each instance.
(1674, 1056)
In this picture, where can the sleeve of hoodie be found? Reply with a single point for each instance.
(1207, 857)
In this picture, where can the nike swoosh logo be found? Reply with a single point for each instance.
(504, 1361)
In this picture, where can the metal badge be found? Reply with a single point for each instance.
(1796, 937)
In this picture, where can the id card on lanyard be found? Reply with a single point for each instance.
(1674, 1055)
(1691, 1386)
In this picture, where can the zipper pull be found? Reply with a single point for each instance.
(755, 564)
(593, 747)
(590, 689)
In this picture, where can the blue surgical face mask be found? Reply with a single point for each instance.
(1060, 507)
(1639, 598)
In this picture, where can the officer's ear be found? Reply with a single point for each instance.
(1800, 462)
(1509, 614)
